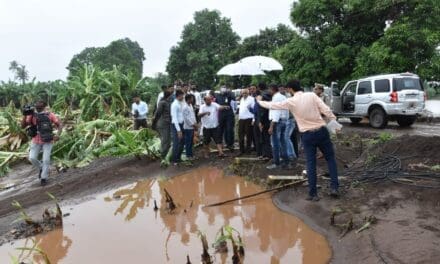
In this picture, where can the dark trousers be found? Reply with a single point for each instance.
(245, 130)
(266, 144)
(311, 141)
(165, 139)
(295, 138)
(258, 140)
(138, 123)
(226, 124)
(189, 137)
(177, 143)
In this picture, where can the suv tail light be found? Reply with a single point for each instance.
(425, 96)
(394, 97)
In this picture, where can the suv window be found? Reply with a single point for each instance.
(382, 86)
(401, 84)
(364, 87)
(351, 89)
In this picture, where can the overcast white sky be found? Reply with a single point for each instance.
(45, 34)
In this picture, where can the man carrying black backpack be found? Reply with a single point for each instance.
(39, 127)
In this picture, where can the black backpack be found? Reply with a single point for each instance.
(44, 126)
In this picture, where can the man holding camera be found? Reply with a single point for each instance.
(139, 110)
(39, 127)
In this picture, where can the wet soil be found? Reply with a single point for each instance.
(135, 232)
(408, 217)
(407, 230)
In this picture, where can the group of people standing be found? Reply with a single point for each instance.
(270, 122)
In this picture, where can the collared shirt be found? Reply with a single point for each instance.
(142, 109)
(32, 120)
(307, 109)
(211, 120)
(189, 117)
(245, 104)
(177, 113)
(277, 115)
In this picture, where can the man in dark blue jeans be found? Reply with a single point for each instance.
(319, 138)
(308, 109)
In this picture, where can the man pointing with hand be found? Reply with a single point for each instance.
(307, 109)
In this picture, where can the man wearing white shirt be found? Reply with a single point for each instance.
(189, 125)
(209, 117)
(278, 119)
(245, 118)
(139, 110)
(177, 126)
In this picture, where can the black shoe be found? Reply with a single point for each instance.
(39, 174)
(334, 193)
(313, 198)
(43, 182)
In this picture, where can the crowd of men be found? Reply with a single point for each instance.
(271, 121)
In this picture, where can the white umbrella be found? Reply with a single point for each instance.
(263, 63)
(239, 69)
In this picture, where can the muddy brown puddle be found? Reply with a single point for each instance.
(121, 226)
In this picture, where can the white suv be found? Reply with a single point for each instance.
(381, 98)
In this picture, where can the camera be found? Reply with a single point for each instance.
(28, 110)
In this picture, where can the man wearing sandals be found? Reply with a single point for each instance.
(208, 114)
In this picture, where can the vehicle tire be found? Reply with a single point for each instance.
(406, 121)
(355, 120)
(378, 118)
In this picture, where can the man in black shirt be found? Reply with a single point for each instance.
(226, 116)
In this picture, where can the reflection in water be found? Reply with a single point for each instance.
(143, 236)
(139, 195)
(53, 246)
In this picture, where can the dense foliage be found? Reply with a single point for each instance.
(124, 53)
(205, 46)
(346, 39)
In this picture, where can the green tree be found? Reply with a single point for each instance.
(409, 44)
(345, 39)
(19, 71)
(124, 53)
(265, 43)
(205, 46)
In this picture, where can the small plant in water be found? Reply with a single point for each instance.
(227, 233)
(35, 249)
(206, 258)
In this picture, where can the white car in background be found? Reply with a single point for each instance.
(381, 98)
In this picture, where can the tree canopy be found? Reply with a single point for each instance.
(124, 53)
(206, 45)
(346, 39)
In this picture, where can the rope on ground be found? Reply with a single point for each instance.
(258, 193)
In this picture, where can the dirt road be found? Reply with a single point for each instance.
(419, 128)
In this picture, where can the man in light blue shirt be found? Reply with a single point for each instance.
(139, 110)
(278, 120)
(177, 126)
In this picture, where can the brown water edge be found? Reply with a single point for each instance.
(121, 227)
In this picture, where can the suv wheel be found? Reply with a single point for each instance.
(406, 121)
(355, 120)
(378, 118)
